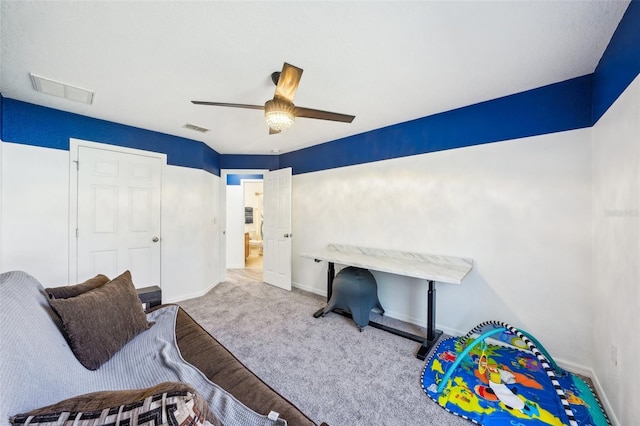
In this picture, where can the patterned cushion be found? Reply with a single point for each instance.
(77, 289)
(168, 403)
(98, 323)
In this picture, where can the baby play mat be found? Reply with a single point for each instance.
(499, 375)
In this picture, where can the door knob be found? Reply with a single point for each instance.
(155, 239)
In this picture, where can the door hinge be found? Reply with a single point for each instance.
(77, 164)
(77, 233)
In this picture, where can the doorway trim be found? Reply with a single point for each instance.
(74, 148)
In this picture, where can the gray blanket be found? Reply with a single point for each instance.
(37, 367)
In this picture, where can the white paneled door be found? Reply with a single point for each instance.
(276, 269)
(118, 226)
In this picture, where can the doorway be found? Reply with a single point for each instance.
(272, 236)
(243, 219)
(253, 219)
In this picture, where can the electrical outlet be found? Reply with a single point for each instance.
(614, 355)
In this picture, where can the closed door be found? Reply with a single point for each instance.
(118, 215)
(276, 267)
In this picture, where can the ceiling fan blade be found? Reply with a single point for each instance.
(323, 115)
(273, 131)
(288, 82)
(223, 104)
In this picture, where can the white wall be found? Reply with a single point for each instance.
(616, 254)
(1, 147)
(520, 209)
(214, 271)
(35, 212)
(190, 233)
(35, 221)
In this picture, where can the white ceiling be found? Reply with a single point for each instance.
(384, 62)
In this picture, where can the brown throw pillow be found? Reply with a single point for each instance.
(98, 323)
(77, 289)
(178, 402)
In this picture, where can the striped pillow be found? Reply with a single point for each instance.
(164, 404)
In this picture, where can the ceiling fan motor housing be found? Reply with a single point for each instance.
(275, 77)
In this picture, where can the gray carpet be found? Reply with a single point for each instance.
(325, 366)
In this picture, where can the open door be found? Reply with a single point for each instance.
(277, 228)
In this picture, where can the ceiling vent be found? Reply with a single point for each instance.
(62, 90)
(196, 128)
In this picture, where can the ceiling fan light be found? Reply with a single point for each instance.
(279, 120)
(279, 115)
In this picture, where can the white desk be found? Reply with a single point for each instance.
(433, 268)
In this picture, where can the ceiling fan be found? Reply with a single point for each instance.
(280, 112)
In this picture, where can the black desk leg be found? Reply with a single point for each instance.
(431, 306)
(432, 334)
(331, 273)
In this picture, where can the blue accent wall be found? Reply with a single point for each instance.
(236, 179)
(31, 124)
(238, 161)
(620, 63)
(553, 108)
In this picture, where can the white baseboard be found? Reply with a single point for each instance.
(574, 368)
(588, 372)
(191, 295)
(309, 289)
(419, 322)
(603, 399)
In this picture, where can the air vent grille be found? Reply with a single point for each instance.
(62, 90)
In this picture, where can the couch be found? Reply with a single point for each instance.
(72, 349)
